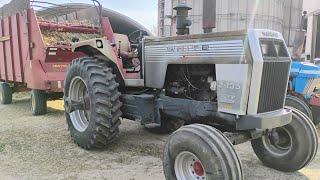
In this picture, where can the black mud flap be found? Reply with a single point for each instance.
(140, 108)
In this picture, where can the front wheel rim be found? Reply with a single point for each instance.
(78, 91)
(188, 166)
(283, 143)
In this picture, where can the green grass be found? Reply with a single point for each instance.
(2, 146)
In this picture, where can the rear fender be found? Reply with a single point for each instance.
(105, 52)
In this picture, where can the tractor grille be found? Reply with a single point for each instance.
(273, 85)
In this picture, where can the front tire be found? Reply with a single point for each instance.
(5, 93)
(299, 104)
(200, 152)
(38, 102)
(95, 123)
(289, 148)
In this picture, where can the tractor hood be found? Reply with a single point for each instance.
(304, 70)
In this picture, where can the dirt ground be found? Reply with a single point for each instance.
(40, 148)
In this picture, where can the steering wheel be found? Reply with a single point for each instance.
(136, 36)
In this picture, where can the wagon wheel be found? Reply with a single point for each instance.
(38, 102)
(5, 93)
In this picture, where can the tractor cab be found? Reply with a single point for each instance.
(130, 50)
(124, 51)
(127, 53)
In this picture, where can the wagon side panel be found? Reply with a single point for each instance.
(34, 71)
(23, 30)
(7, 50)
(16, 49)
(2, 54)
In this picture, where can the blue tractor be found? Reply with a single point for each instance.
(304, 89)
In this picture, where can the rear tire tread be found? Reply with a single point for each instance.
(106, 102)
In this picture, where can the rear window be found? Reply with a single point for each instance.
(268, 49)
(281, 49)
(273, 48)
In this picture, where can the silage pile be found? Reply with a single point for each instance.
(57, 37)
(52, 38)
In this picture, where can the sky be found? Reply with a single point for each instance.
(143, 11)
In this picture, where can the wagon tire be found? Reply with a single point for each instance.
(299, 104)
(200, 152)
(295, 148)
(5, 93)
(38, 102)
(97, 124)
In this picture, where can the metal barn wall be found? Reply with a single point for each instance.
(313, 9)
(292, 18)
(237, 15)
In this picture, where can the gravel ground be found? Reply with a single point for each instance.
(40, 148)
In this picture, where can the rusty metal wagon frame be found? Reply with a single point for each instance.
(26, 62)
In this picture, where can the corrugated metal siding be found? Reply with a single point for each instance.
(236, 15)
(292, 23)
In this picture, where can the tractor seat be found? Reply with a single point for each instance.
(123, 42)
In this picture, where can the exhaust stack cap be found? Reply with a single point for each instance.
(183, 22)
(209, 15)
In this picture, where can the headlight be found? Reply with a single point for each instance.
(99, 44)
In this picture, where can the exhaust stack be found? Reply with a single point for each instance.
(209, 15)
(183, 22)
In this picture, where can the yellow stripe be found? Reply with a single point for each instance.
(4, 38)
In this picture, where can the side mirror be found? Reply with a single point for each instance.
(75, 39)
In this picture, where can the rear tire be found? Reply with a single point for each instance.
(38, 102)
(299, 104)
(101, 119)
(5, 93)
(295, 148)
(200, 152)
